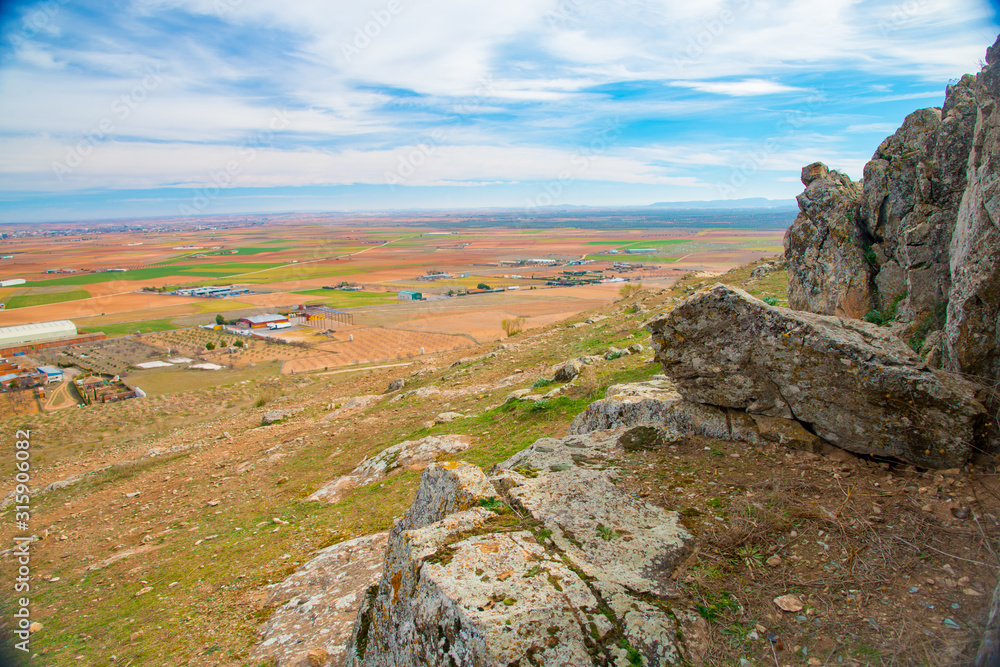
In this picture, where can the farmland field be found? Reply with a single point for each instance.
(288, 262)
(26, 300)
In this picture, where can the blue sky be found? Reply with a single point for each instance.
(135, 108)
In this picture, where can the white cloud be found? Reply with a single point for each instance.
(745, 88)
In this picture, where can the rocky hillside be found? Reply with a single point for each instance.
(915, 242)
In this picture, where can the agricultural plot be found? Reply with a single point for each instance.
(111, 357)
(373, 345)
(27, 300)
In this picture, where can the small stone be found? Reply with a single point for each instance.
(815, 661)
(774, 561)
(213, 503)
(34, 627)
(789, 603)
(278, 520)
(135, 635)
(964, 581)
(794, 533)
(173, 583)
(927, 508)
(971, 592)
(143, 590)
(317, 657)
(960, 512)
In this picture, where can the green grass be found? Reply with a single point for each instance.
(126, 328)
(257, 251)
(339, 299)
(139, 274)
(644, 259)
(26, 300)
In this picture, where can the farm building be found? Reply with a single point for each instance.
(52, 374)
(30, 333)
(261, 321)
(407, 295)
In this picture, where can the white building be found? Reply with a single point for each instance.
(31, 333)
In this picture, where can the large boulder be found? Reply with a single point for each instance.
(827, 269)
(851, 383)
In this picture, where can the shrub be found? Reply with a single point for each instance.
(483, 286)
(883, 318)
(932, 321)
(541, 382)
(238, 343)
(219, 319)
(628, 289)
(513, 326)
(770, 300)
(209, 346)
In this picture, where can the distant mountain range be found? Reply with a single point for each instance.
(750, 202)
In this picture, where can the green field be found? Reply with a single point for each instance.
(139, 274)
(25, 300)
(644, 243)
(127, 328)
(640, 259)
(256, 250)
(339, 299)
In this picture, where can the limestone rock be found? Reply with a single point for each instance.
(567, 371)
(319, 603)
(827, 269)
(410, 454)
(850, 383)
(476, 588)
(274, 416)
(446, 488)
(446, 417)
(395, 385)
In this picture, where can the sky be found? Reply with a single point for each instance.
(145, 108)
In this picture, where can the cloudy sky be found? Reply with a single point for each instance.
(185, 107)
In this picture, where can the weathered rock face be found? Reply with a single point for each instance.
(575, 566)
(851, 383)
(973, 324)
(319, 603)
(828, 272)
(413, 454)
(658, 405)
(926, 223)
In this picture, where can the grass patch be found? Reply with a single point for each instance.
(128, 328)
(27, 300)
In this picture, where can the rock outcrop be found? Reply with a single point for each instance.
(916, 239)
(828, 271)
(973, 322)
(547, 563)
(851, 383)
(411, 454)
(319, 603)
